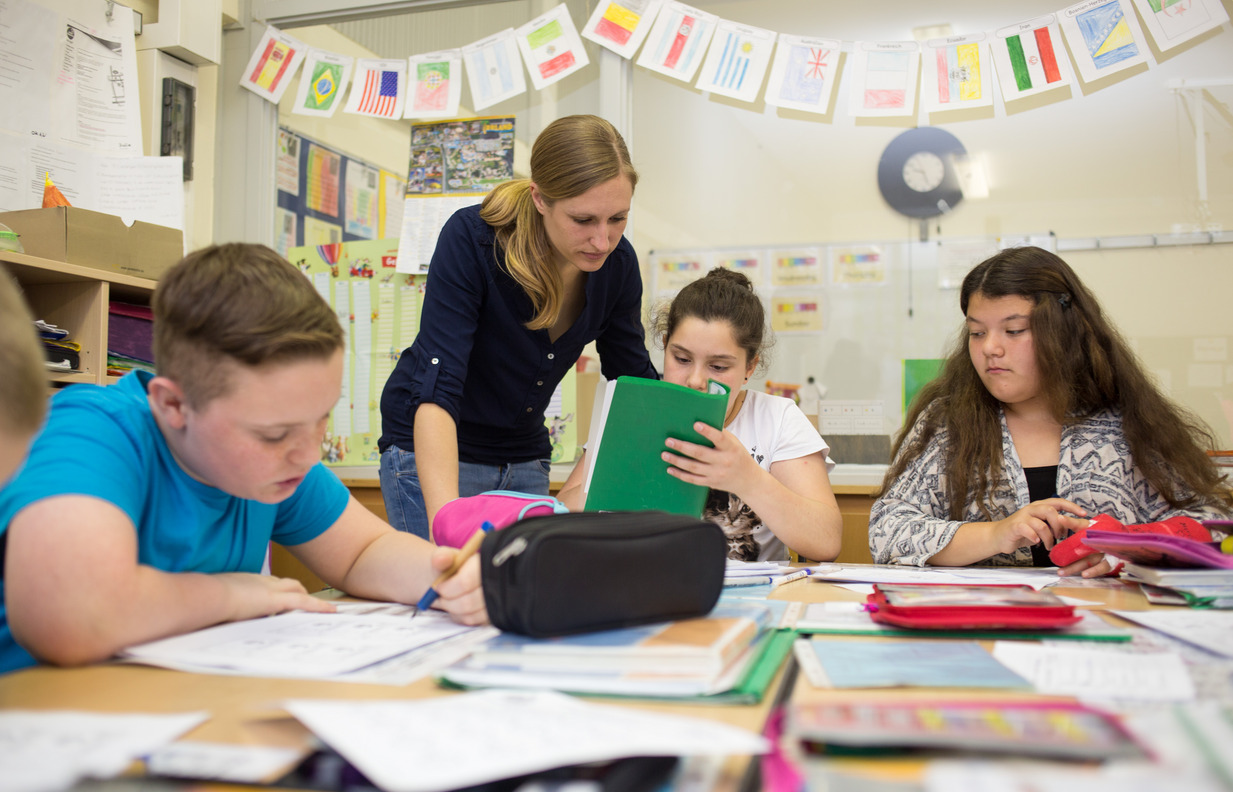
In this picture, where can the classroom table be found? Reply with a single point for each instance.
(246, 711)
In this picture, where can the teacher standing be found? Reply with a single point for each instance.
(518, 286)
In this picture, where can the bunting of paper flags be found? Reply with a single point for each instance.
(957, 73)
(322, 83)
(1174, 22)
(551, 47)
(678, 41)
(803, 73)
(737, 60)
(1030, 58)
(622, 25)
(379, 89)
(494, 69)
(883, 78)
(1104, 37)
(435, 84)
(273, 64)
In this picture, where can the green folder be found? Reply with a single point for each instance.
(633, 418)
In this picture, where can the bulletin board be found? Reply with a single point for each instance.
(379, 310)
(326, 197)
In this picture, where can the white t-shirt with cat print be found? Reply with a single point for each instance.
(772, 429)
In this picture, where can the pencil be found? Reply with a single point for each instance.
(469, 549)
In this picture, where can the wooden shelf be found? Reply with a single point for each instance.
(76, 298)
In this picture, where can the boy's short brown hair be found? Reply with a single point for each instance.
(236, 302)
(23, 384)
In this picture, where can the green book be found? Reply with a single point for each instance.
(633, 418)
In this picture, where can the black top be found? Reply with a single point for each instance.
(475, 359)
(1042, 483)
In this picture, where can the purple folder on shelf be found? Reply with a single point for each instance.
(1159, 550)
(130, 331)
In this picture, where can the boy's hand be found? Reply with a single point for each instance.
(253, 595)
(460, 596)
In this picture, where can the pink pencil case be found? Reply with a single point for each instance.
(1159, 550)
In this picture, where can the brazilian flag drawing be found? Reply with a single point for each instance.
(324, 86)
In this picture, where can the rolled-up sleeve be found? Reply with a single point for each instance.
(453, 296)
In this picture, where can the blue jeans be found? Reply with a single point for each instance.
(404, 500)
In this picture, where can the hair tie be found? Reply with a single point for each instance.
(1064, 301)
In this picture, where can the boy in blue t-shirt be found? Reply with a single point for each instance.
(145, 508)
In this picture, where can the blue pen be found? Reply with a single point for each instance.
(466, 551)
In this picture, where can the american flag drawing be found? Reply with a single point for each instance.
(380, 95)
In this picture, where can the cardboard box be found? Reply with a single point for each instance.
(94, 239)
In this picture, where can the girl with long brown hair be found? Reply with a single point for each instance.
(517, 287)
(1041, 418)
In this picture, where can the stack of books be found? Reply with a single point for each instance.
(1173, 568)
(707, 656)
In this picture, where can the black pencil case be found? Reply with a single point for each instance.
(560, 574)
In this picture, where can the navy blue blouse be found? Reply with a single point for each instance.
(475, 357)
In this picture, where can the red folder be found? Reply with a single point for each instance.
(948, 606)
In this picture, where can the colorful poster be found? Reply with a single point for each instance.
(883, 78)
(750, 263)
(272, 65)
(678, 41)
(861, 265)
(1030, 58)
(469, 155)
(1173, 22)
(436, 84)
(674, 271)
(322, 182)
(494, 69)
(796, 313)
(622, 25)
(362, 193)
(737, 60)
(796, 267)
(1104, 37)
(380, 88)
(551, 47)
(957, 73)
(322, 83)
(803, 73)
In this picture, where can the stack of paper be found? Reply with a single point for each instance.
(692, 657)
(1209, 588)
(753, 573)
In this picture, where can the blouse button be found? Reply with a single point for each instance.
(551, 356)
(539, 382)
(435, 361)
(528, 409)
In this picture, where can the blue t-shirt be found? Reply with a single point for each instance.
(103, 442)
(475, 358)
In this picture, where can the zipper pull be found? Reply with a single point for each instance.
(509, 551)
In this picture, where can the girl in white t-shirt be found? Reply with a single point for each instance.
(768, 469)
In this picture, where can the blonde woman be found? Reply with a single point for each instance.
(518, 286)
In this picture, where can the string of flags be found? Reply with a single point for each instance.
(733, 60)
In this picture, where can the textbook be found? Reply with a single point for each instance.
(690, 657)
(633, 417)
(1054, 729)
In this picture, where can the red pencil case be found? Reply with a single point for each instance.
(947, 606)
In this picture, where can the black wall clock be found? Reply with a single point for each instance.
(917, 173)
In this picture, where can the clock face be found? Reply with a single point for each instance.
(924, 171)
(917, 173)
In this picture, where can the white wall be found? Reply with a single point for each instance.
(1114, 160)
